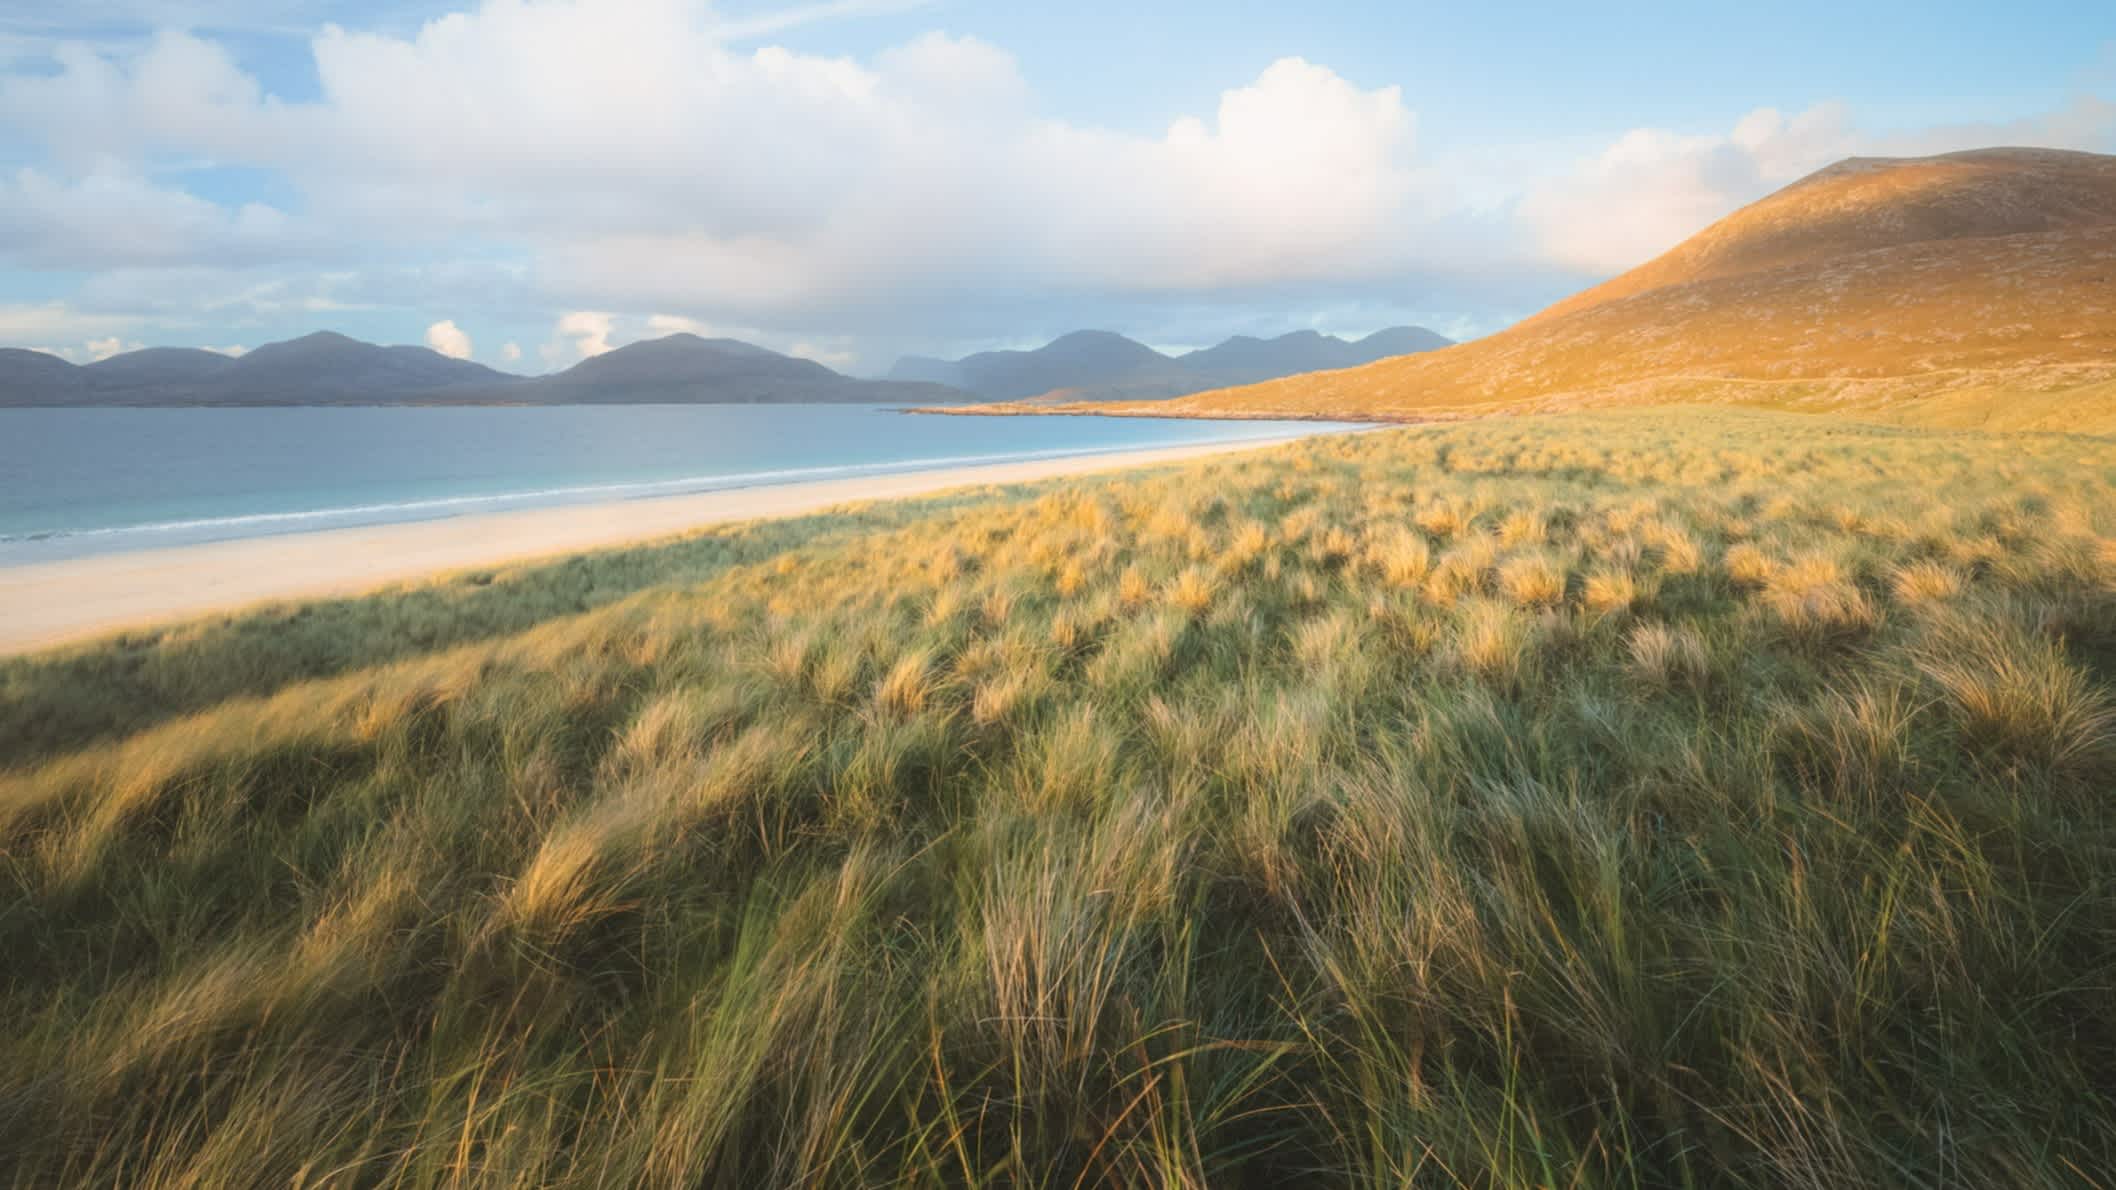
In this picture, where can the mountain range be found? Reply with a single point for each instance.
(330, 369)
(1103, 366)
(326, 368)
(1974, 288)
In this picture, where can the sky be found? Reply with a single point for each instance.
(530, 182)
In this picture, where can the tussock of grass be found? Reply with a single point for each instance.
(1533, 580)
(1813, 593)
(1192, 591)
(1609, 592)
(1683, 799)
(1662, 655)
(2017, 696)
(1926, 581)
(1403, 558)
(1748, 565)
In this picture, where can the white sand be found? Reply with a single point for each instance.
(50, 603)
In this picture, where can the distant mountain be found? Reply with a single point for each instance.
(1399, 340)
(1102, 366)
(1246, 360)
(1974, 288)
(38, 378)
(319, 369)
(686, 369)
(1083, 359)
(155, 367)
(330, 369)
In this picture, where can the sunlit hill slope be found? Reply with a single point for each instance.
(1972, 288)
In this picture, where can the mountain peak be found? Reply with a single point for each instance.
(1868, 204)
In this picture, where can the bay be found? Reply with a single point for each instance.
(75, 482)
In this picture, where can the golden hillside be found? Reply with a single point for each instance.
(1973, 287)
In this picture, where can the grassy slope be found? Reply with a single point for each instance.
(1676, 798)
(1965, 290)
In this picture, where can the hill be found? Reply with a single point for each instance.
(1247, 360)
(26, 374)
(326, 368)
(1973, 287)
(155, 367)
(329, 368)
(687, 369)
(1104, 366)
(1083, 360)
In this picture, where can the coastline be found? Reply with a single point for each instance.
(46, 605)
(1147, 409)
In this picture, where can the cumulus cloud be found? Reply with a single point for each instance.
(579, 335)
(112, 217)
(1652, 188)
(647, 161)
(511, 353)
(448, 339)
(102, 349)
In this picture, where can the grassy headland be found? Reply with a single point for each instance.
(1665, 798)
(1966, 291)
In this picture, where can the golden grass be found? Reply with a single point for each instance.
(1192, 591)
(1662, 655)
(1533, 580)
(1678, 799)
(1926, 581)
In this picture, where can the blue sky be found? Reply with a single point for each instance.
(529, 181)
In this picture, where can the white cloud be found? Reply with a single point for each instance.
(661, 325)
(839, 356)
(1651, 188)
(649, 161)
(579, 335)
(113, 217)
(232, 350)
(448, 339)
(511, 353)
(49, 322)
(102, 349)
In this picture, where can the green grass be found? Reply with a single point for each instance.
(1647, 799)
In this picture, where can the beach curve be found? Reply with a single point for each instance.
(45, 605)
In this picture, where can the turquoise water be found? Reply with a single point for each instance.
(89, 481)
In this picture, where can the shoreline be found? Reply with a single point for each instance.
(45, 605)
(1367, 420)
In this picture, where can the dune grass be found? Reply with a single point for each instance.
(1689, 798)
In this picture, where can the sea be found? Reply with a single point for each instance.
(77, 482)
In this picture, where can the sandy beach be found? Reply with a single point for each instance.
(53, 603)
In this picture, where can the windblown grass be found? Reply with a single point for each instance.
(1689, 799)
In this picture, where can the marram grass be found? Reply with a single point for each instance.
(1679, 799)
